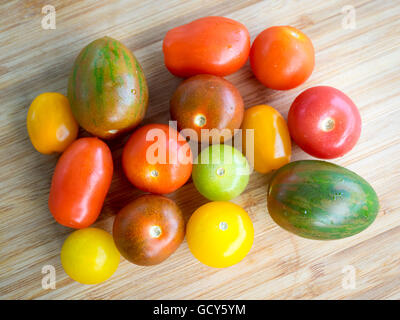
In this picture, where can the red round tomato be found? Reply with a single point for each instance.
(149, 229)
(212, 45)
(282, 57)
(80, 183)
(157, 159)
(207, 102)
(324, 122)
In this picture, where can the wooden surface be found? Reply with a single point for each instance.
(363, 62)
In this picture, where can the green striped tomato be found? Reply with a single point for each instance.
(321, 200)
(107, 89)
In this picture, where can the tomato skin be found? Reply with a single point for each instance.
(89, 255)
(282, 57)
(80, 183)
(209, 45)
(50, 123)
(215, 99)
(170, 175)
(320, 200)
(220, 172)
(220, 234)
(107, 89)
(134, 233)
(272, 145)
(324, 122)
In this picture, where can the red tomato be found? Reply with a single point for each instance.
(157, 159)
(80, 183)
(212, 45)
(282, 57)
(324, 122)
(149, 229)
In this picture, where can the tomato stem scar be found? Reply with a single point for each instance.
(220, 171)
(154, 173)
(223, 225)
(200, 120)
(327, 124)
(155, 231)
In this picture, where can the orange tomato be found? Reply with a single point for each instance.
(282, 57)
(50, 123)
(80, 183)
(157, 159)
(211, 45)
(272, 146)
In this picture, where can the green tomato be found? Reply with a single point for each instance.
(220, 172)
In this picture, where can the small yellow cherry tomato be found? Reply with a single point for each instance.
(89, 256)
(272, 145)
(220, 234)
(51, 125)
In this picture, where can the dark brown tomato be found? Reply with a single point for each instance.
(207, 102)
(149, 229)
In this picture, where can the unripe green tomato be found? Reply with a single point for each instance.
(221, 172)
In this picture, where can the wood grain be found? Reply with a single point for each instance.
(363, 62)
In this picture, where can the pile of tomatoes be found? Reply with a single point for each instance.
(322, 120)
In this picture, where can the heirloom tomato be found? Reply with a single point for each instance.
(149, 229)
(80, 183)
(212, 45)
(157, 159)
(50, 123)
(107, 88)
(207, 102)
(220, 172)
(282, 57)
(89, 256)
(321, 200)
(324, 122)
(220, 234)
(271, 147)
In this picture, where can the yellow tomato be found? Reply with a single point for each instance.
(51, 125)
(272, 146)
(220, 234)
(89, 255)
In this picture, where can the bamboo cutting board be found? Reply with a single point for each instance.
(362, 59)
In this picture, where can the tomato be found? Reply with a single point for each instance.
(271, 147)
(321, 200)
(89, 256)
(220, 234)
(212, 45)
(107, 89)
(220, 172)
(149, 229)
(207, 102)
(80, 183)
(324, 122)
(157, 159)
(282, 57)
(50, 123)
